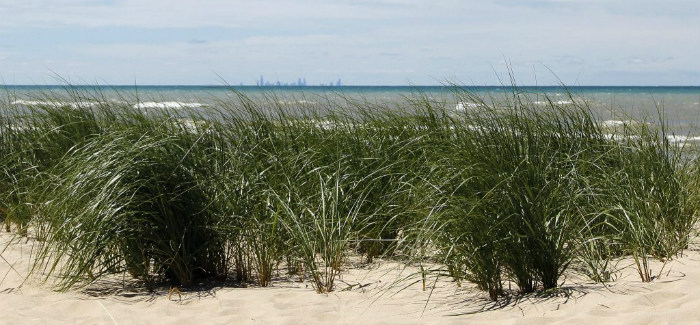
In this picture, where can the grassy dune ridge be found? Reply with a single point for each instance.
(505, 190)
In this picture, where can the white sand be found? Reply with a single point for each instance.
(674, 298)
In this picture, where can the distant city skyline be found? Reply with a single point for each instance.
(300, 82)
(383, 42)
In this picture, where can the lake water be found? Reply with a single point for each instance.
(680, 106)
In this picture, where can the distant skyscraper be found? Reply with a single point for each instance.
(301, 81)
(338, 83)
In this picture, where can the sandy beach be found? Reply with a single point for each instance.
(366, 294)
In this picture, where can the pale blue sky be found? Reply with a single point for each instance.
(388, 42)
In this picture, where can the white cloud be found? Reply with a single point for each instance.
(386, 41)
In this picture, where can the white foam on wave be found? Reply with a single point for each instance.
(146, 105)
(673, 139)
(324, 124)
(461, 106)
(559, 102)
(48, 103)
(612, 123)
(296, 102)
(681, 138)
(618, 137)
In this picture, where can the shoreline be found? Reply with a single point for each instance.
(364, 295)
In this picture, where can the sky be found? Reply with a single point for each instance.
(385, 42)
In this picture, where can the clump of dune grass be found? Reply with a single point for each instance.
(532, 189)
(128, 200)
(652, 211)
(515, 209)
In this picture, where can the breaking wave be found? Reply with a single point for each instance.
(464, 105)
(559, 102)
(48, 103)
(146, 105)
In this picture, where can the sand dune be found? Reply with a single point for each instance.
(366, 294)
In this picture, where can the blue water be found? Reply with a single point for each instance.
(680, 106)
(212, 89)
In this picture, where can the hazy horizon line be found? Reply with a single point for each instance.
(333, 86)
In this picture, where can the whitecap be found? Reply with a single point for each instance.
(40, 103)
(616, 137)
(146, 105)
(559, 102)
(620, 137)
(681, 138)
(296, 102)
(613, 123)
(464, 105)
